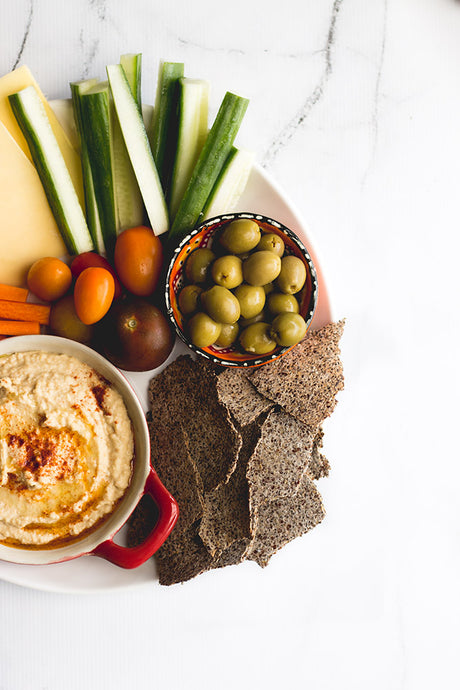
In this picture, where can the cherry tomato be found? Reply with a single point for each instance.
(49, 278)
(93, 294)
(65, 322)
(135, 335)
(87, 259)
(138, 260)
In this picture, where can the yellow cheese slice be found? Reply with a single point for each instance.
(28, 230)
(17, 80)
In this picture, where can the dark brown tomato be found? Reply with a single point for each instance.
(135, 335)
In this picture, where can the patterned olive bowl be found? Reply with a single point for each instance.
(204, 236)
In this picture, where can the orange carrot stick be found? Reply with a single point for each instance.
(24, 311)
(11, 292)
(19, 328)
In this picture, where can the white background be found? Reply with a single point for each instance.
(355, 111)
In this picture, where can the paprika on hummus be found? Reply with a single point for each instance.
(66, 449)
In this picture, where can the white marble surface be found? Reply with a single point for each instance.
(354, 110)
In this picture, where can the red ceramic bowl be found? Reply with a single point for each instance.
(203, 236)
(100, 542)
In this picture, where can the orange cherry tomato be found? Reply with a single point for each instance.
(93, 294)
(49, 278)
(87, 259)
(138, 260)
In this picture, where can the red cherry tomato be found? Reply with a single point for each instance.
(138, 260)
(87, 259)
(93, 294)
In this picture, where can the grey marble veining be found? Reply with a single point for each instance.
(25, 36)
(312, 99)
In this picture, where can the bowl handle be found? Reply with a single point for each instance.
(132, 557)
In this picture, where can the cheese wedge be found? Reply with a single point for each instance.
(17, 80)
(28, 230)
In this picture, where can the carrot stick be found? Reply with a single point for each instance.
(19, 328)
(24, 311)
(11, 292)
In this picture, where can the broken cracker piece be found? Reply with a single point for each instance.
(182, 557)
(174, 465)
(241, 398)
(284, 519)
(226, 509)
(318, 465)
(186, 390)
(233, 554)
(305, 381)
(280, 457)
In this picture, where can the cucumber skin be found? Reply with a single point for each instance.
(207, 169)
(92, 213)
(186, 157)
(163, 136)
(212, 208)
(74, 246)
(132, 67)
(97, 135)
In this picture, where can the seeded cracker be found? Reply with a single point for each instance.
(182, 557)
(280, 458)
(306, 379)
(241, 398)
(233, 554)
(318, 465)
(186, 390)
(176, 469)
(283, 519)
(226, 509)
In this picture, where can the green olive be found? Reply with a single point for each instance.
(279, 302)
(189, 298)
(268, 288)
(240, 236)
(221, 304)
(257, 339)
(261, 316)
(198, 263)
(261, 268)
(288, 329)
(272, 243)
(203, 330)
(292, 275)
(227, 271)
(228, 334)
(251, 299)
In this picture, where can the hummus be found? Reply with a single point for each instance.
(66, 448)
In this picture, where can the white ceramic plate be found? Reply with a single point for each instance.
(90, 573)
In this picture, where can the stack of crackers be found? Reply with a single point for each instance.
(240, 450)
